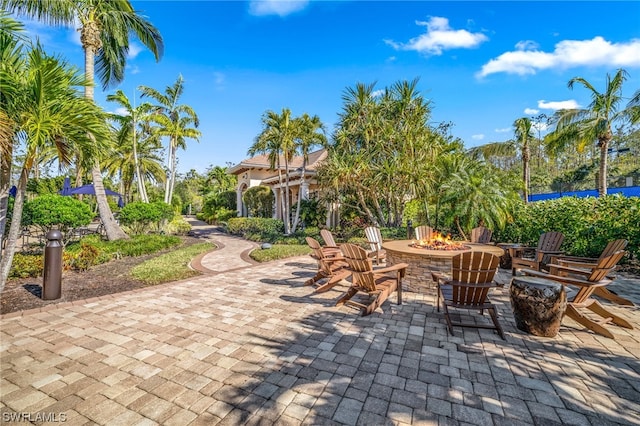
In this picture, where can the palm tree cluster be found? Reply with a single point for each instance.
(579, 142)
(43, 114)
(282, 138)
(386, 154)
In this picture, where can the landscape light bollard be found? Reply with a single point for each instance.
(410, 230)
(52, 277)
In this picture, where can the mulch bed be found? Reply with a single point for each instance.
(108, 278)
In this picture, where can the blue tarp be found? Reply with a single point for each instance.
(627, 191)
(90, 190)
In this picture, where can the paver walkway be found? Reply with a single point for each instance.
(252, 345)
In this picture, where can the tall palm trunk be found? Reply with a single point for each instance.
(525, 171)
(16, 225)
(5, 180)
(172, 164)
(602, 174)
(90, 38)
(296, 219)
(141, 193)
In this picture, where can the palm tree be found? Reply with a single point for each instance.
(105, 27)
(174, 121)
(131, 139)
(277, 140)
(581, 127)
(524, 134)
(311, 133)
(47, 111)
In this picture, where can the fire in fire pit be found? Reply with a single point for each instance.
(439, 241)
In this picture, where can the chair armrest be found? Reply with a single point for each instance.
(564, 280)
(392, 268)
(560, 270)
(575, 264)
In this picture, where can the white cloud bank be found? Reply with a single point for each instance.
(478, 137)
(439, 37)
(528, 59)
(570, 104)
(276, 7)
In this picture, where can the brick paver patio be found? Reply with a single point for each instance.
(254, 346)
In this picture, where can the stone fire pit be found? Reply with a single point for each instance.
(424, 261)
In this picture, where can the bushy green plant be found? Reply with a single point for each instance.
(178, 226)
(26, 265)
(247, 225)
(259, 201)
(587, 223)
(219, 207)
(56, 211)
(144, 217)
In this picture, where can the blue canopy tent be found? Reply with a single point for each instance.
(89, 190)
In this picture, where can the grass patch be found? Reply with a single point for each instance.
(170, 266)
(279, 251)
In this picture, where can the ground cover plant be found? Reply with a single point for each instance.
(171, 266)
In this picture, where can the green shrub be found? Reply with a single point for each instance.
(141, 217)
(587, 223)
(26, 265)
(56, 211)
(86, 258)
(259, 201)
(254, 225)
(178, 226)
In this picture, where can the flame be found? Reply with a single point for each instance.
(439, 241)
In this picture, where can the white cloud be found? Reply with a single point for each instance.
(531, 111)
(528, 59)
(134, 50)
(439, 37)
(276, 7)
(503, 130)
(122, 111)
(556, 105)
(377, 93)
(477, 137)
(133, 69)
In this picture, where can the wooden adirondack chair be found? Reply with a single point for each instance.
(331, 266)
(588, 263)
(374, 238)
(330, 245)
(423, 232)
(537, 258)
(587, 282)
(481, 235)
(377, 284)
(468, 288)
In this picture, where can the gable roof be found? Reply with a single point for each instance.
(261, 162)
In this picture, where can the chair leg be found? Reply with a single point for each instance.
(348, 295)
(573, 313)
(596, 307)
(333, 280)
(317, 277)
(446, 317)
(493, 313)
(612, 297)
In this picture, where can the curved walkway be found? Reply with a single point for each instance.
(252, 345)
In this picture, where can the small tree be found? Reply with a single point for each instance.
(57, 211)
(259, 201)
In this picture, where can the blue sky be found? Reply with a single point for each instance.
(482, 64)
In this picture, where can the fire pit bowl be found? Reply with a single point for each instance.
(423, 261)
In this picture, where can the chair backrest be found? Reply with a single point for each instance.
(360, 265)
(424, 232)
(327, 236)
(474, 267)
(613, 246)
(374, 237)
(548, 242)
(472, 274)
(605, 265)
(481, 235)
(316, 247)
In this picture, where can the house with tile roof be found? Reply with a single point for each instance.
(257, 171)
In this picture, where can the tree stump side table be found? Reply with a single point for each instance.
(505, 259)
(538, 305)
